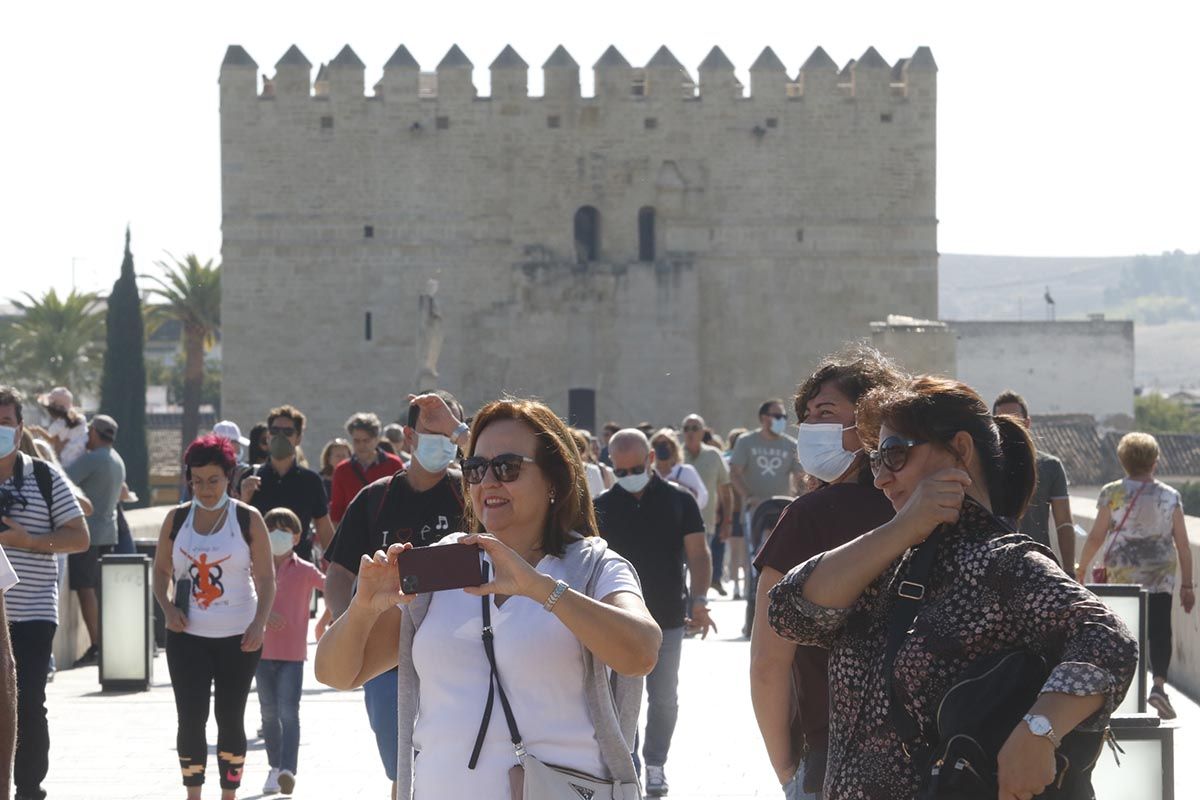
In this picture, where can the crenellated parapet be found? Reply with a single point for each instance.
(868, 78)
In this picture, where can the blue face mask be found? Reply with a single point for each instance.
(8, 441)
(434, 451)
(779, 426)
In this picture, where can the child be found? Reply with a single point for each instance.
(280, 672)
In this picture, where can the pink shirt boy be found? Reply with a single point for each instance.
(287, 628)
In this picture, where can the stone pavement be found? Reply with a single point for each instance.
(107, 746)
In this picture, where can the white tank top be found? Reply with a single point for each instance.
(224, 601)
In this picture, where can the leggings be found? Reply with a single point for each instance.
(1158, 632)
(201, 667)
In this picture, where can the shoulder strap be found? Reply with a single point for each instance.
(243, 518)
(1124, 519)
(910, 593)
(377, 493)
(181, 513)
(494, 688)
(45, 484)
(455, 480)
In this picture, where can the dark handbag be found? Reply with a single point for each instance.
(978, 713)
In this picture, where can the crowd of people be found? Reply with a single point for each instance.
(900, 539)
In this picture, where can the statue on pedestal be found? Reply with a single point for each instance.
(429, 338)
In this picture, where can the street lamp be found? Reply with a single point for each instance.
(126, 633)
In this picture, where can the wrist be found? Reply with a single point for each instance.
(540, 588)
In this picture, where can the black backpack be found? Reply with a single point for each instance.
(181, 515)
(43, 475)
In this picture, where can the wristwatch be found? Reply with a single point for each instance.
(1040, 726)
(459, 432)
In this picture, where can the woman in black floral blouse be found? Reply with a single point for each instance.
(943, 460)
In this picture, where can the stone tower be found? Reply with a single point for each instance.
(665, 246)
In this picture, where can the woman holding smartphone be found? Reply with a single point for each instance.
(563, 611)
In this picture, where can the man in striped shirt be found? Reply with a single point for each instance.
(32, 534)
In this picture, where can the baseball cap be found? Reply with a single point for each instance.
(230, 430)
(58, 397)
(105, 426)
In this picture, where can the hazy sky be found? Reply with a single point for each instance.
(1064, 128)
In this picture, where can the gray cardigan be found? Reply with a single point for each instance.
(614, 707)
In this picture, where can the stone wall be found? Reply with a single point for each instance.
(785, 222)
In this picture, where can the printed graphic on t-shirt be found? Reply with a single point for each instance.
(768, 460)
(206, 578)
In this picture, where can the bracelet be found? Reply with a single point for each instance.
(560, 588)
(1065, 525)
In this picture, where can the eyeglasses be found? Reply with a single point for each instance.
(892, 453)
(506, 467)
(638, 470)
(777, 416)
(277, 431)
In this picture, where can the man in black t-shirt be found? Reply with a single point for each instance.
(657, 525)
(419, 505)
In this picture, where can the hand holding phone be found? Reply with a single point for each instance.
(439, 567)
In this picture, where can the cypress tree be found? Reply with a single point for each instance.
(123, 385)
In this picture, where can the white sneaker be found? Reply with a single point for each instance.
(287, 781)
(656, 781)
(272, 784)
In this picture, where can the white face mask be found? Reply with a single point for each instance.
(281, 541)
(634, 483)
(819, 448)
(779, 426)
(434, 451)
(217, 506)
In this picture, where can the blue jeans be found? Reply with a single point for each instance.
(718, 557)
(794, 789)
(279, 685)
(379, 693)
(662, 706)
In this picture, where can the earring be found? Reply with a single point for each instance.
(552, 498)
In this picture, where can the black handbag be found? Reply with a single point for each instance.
(978, 713)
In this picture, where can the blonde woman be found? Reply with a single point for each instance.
(1140, 526)
(668, 462)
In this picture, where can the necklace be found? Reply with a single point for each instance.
(216, 525)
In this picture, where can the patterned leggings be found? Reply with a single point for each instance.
(201, 667)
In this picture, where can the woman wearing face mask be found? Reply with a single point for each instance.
(975, 590)
(789, 686)
(215, 581)
(280, 674)
(565, 610)
(670, 466)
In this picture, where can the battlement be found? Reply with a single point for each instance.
(663, 78)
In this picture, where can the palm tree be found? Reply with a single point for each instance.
(57, 341)
(191, 294)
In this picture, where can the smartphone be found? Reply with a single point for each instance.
(433, 569)
(183, 594)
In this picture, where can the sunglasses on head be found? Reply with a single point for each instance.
(892, 453)
(277, 431)
(506, 467)
(638, 470)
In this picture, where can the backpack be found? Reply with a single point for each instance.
(181, 515)
(377, 494)
(43, 475)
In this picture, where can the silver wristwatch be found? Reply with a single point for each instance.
(462, 429)
(1040, 726)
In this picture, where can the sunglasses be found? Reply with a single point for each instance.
(275, 431)
(506, 467)
(638, 470)
(892, 453)
(778, 416)
(692, 429)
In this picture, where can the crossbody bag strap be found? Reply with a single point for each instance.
(494, 688)
(1125, 518)
(910, 594)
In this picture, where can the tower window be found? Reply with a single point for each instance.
(587, 234)
(326, 123)
(368, 231)
(646, 234)
(554, 121)
(442, 123)
(367, 326)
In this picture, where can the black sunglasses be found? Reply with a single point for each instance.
(274, 431)
(892, 453)
(506, 467)
(638, 470)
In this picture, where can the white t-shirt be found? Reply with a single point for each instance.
(541, 666)
(8, 575)
(595, 479)
(74, 440)
(687, 477)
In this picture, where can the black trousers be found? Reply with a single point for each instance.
(201, 668)
(32, 643)
(1158, 632)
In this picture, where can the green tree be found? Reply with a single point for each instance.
(57, 341)
(1156, 414)
(191, 293)
(123, 385)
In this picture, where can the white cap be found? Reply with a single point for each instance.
(230, 430)
(59, 397)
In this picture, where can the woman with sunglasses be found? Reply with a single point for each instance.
(564, 610)
(953, 472)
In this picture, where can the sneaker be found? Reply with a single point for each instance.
(656, 782)
(89, 658)
(1161, 703)
(287, 781)
(719, 589)
(272, 784)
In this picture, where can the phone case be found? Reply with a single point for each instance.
(434, 569)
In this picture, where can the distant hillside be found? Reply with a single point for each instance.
(1161, 292)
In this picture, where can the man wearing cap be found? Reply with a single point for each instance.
(100, 473)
